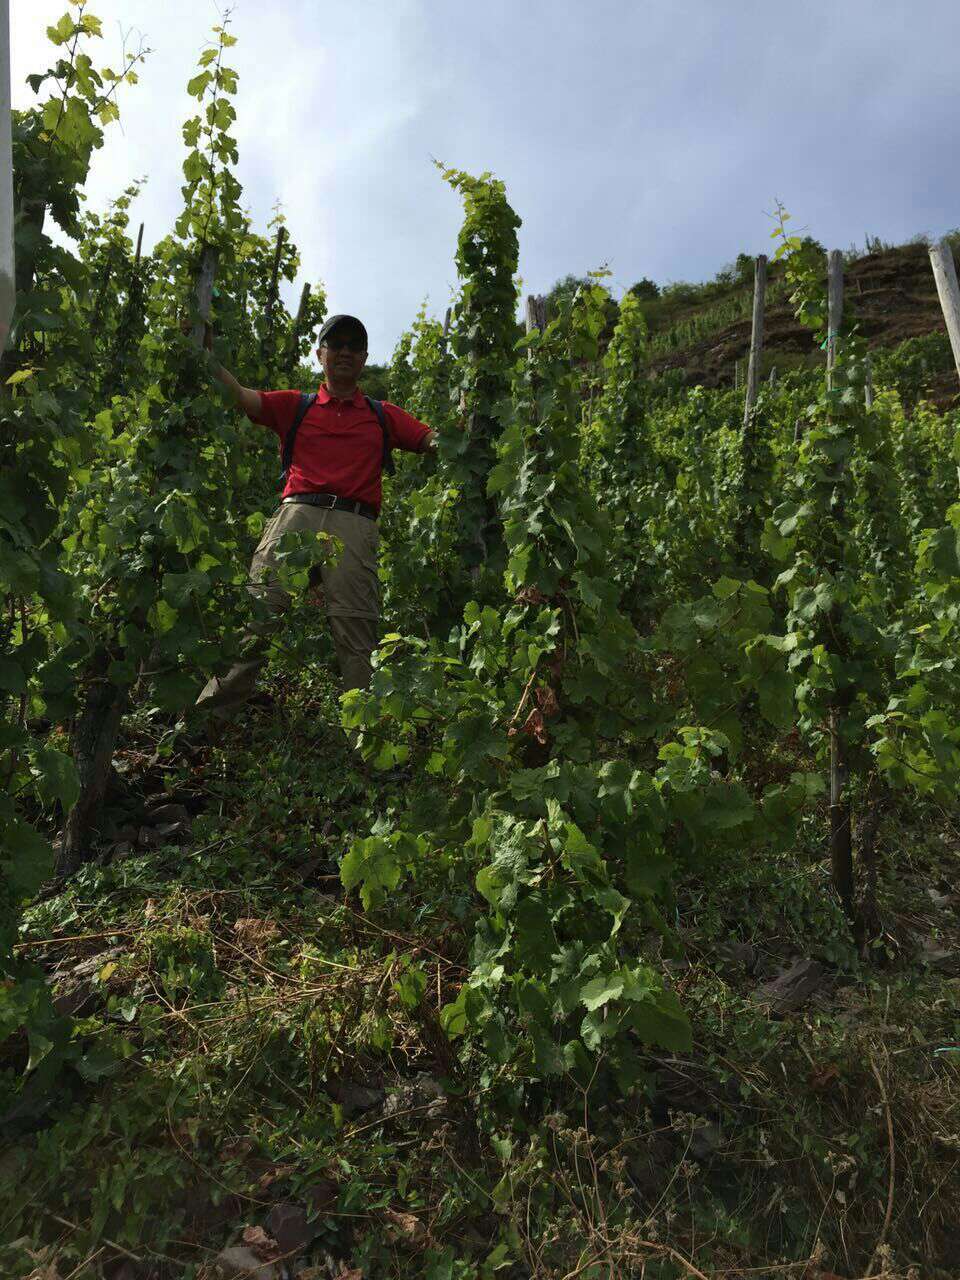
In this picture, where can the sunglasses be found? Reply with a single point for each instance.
(356, 346)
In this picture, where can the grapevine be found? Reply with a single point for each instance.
(662, 689)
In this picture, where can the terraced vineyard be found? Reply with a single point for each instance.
(624, 941)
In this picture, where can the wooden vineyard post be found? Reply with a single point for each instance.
(841, 850)
(756, 339)
(7, 265)
(296, 332)
(446, 323)
(746, 532)
(531, 313)
(536, 317)
(267, 344)
(945, 274)
(204, 294)
(834, 308)
(773, 376)
(102, 292)
(17, 274)
(129, 328)
(868, 384)
(536, 313)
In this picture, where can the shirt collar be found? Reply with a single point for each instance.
(324, 397)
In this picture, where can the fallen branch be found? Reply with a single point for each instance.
(888, 1217)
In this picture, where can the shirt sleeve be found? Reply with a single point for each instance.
(406, 431)
(277, 411)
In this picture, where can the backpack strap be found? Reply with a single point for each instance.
(377, 408)
(290, 439)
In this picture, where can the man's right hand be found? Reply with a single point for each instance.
(186, 328)
(244, 398)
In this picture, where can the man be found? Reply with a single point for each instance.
(332, 485)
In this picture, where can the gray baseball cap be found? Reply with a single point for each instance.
(335, 322)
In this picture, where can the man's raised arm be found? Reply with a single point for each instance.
(243, 397)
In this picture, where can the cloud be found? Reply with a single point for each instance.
(649, 134)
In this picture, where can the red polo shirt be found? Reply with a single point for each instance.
(339, 446)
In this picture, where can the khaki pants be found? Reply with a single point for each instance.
(351, 589)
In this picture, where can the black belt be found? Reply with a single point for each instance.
(330, 502)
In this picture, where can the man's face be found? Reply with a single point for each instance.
(343, 353)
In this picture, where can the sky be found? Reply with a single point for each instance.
(652, 137)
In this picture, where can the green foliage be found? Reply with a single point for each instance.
(510, 715)
(644, 290)
(211, 192)
(619, 452)
(913, 365)
(123, 542)
(565, 290)
(621, 625)
(419, 558)
(483, 337)
(45, 398)
(839, 649)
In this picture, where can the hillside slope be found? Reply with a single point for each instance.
(263, 1086)
(891, 294)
